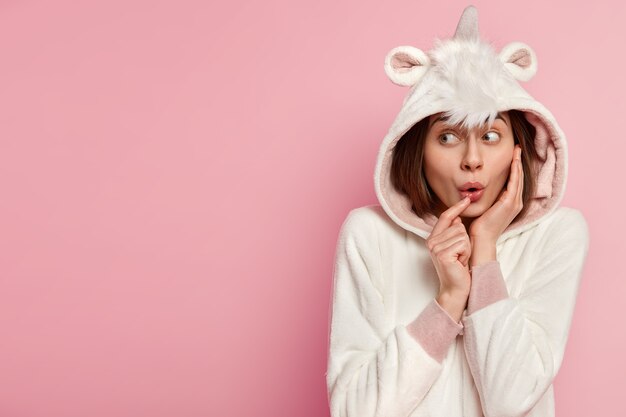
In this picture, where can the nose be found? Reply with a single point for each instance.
(472, 158)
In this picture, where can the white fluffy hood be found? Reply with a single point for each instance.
(468, 80)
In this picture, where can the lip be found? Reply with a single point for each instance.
(473, 195)
(474, 184)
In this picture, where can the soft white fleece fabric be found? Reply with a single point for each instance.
(509, 352)
(394, 352)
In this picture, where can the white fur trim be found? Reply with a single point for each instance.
(470, 80)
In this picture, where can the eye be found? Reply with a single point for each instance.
(494, 135)
(447, 134)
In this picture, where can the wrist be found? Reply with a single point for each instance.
(483, 238)
(453, 295)
(483, 251)
(453, 303)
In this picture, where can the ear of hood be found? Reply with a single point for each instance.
(470, 82)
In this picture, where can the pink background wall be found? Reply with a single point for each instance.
(174, 175)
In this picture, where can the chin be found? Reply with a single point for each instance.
(474, 210)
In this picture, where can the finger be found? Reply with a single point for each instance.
(455, 251)
(446, 218)
(450, 232)
(440, 249)
(512, 185)
(464, 258)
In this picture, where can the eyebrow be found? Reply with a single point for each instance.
(444, 118)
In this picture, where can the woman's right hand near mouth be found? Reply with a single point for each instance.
(450, 250)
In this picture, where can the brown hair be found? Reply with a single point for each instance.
(407, 173)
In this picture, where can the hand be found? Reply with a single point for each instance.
(490, 225)
(450, 250)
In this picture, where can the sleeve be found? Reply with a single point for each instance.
(515, 346)
(374, 368)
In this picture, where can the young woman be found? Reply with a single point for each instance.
(455, 295)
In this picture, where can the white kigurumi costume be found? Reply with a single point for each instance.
(393, 350)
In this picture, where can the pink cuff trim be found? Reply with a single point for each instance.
(435, 330)
(488, 286)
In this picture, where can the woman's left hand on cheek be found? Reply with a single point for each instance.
(492, 222)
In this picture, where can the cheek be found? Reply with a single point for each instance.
(436, 169)
(503, 173)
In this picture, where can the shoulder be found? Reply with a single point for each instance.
(566, 226)
(568, 218)
(365, 225)
(365, 219)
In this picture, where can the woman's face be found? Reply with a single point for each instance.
(453, 157)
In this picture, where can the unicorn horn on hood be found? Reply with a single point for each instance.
(467, 28)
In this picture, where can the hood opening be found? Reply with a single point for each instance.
(550, 168)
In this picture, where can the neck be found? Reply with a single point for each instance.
(467, 221)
